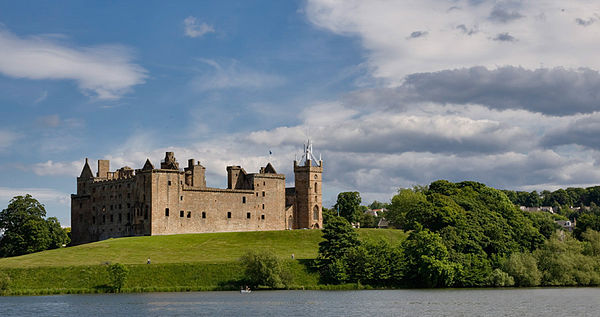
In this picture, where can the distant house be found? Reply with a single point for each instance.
(383, 224)
(376, 212)
(567, 225)
(535, 209)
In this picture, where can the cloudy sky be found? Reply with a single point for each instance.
(392, 93)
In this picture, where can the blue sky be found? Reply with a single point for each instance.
(392, 93)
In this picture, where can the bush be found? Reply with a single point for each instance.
(499, 278)
(117, 273)
(523, 268)
(264, 268)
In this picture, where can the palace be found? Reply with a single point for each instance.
(170, 200)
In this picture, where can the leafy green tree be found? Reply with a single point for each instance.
(25, 230)
(426, 262)
(338, 239)
(377, 205)
(405, 201)
(263, 268)
(328, 213)
(589, 220)
(523, 268)
(348, 203)
(117, 274)
(367, 220)
(499, 278)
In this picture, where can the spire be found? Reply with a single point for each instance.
(148, 165)
(87, 171)
(308, 154)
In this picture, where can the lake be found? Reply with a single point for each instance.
(448, 302)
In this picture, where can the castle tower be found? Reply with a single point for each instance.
(308, 190)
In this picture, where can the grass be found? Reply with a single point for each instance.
(188, 248)
(188, 262)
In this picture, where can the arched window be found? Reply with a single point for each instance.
(316, 191)
(316, 213)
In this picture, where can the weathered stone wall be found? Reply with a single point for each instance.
(171, 201)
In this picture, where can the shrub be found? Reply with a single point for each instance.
(117, 273)
(264, 268)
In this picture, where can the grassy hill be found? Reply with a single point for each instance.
(187, 248)
(179, 262)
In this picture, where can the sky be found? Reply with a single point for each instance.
(392, 93)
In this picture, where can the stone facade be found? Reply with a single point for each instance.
(170, 200)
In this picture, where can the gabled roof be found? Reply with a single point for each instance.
(269, 169)
(87, 171)
(148, 165)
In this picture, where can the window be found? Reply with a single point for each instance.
(316, 213)
(128, 205)
(128, 216)
(256, 194)
(103, 218)
(93, 220)
(247, 215)
(204, 215)
(169, 183)
(120, 218)
(80, 205)
(180, 197)
(181, 213)
(119, 206)
(262, 217)
(229, 214)
(146, 214)
(316, 188)
(263, 206)
(243, 200)
(263, 194)
(166, 212)
(264, 183)
(189, 214)
(128, 195)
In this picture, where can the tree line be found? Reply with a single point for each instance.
(460, 235)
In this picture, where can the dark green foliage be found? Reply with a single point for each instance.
(348, 204)
(367, 220)
(588, 220)
(377, 205)
(374, 263)
(543, 222)
(339, 238)
(263, 268)
(405, 200)
(117, 275)
(328, 214)
(26, 230)
(426, 262)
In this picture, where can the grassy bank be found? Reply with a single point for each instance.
(179, 262)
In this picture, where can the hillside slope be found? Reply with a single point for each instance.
(188, 248)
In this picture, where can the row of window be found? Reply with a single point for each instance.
(189, 214)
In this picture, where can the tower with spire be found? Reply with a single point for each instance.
(308, 177)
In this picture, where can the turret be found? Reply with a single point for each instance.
(308, 180)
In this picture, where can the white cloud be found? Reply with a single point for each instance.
(51, 168)
(544, 33)
(106, 71)
(43, 195)
(234, 76)
(193, 28)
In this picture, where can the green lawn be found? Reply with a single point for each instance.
(188, 248)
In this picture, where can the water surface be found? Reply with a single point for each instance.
(453, 302)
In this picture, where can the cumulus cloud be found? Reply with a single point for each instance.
(193, 28)
(44, 195)
(556, 91)
(547, 34)
(577, 130)
(106, 71)
(234, 75)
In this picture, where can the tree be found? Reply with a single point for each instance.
(348, 204)
(117, 274)
(403, 202)
(25, 230)
(523, 268)
(426, 262)
(263, 268)
(338, 239)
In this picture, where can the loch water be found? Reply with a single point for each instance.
(446, 302)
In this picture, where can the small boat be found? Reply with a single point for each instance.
(243, 291)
